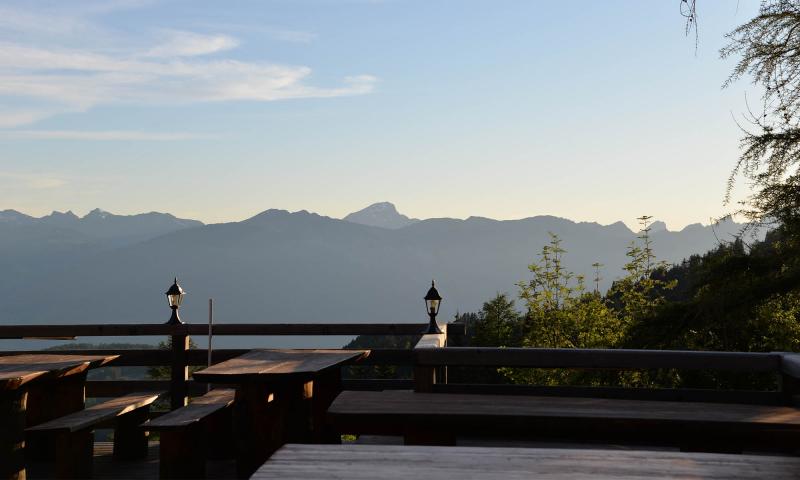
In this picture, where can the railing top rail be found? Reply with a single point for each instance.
(790, 364)
(102, 330)
(599, 358)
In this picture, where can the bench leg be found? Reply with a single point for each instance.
(182, 453)
(130, 441)
(12, 434)
(218, 434)
(74, 451)
(48, 400)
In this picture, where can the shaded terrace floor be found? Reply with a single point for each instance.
(105, 467)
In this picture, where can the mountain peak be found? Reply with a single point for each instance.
(61, 218)
(381, 214)
(97, 213)
(13, 216)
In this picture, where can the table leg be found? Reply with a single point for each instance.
(12, 434)
(266, 417)
(326, 388)
(296, 401)
(256, 425)
(48, 400)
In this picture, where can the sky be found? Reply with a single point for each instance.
(593, 111)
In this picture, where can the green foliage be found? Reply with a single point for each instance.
(381, 341)
(497, 323)
(767, 47)
(730, 299)
(640, 292)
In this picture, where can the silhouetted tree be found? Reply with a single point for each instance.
(768, 47)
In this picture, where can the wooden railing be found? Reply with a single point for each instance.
(784, 366)
(181, 357)
(430, 359)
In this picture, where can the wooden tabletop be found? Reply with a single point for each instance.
(17, 370)
(266, 365)
(391, 462)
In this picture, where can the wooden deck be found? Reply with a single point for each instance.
(352, 462)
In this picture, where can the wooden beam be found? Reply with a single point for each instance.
(377, 384)
(790, 364)
(138, 329)
(749, 397)
(151, 357)
(598, 358)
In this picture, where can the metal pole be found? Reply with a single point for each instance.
(210, 322)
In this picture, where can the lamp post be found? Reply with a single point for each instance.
(175, 297)
(432, 302)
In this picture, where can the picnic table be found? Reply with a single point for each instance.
(35, 388)
(392, 462)
(281, 396)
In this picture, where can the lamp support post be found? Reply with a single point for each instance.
(180, 371)
(175, 319)
(179, 338)
(210, 334)
(433, 327)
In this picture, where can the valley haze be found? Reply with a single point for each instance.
(294, 267)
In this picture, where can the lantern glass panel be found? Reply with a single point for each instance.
(174, 300)
(433, 305)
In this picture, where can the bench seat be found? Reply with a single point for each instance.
(191, 434)
(75, 438)
(437, 418)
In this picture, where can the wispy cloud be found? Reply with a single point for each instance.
(178, 67)
(188, 44)
(101, 135)
(36, 181)
(13, 118)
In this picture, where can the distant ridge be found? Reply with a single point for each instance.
(282, 266)
(381, 214)
(64, 231)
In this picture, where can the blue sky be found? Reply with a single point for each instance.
(598, 111)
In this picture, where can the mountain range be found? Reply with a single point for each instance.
(374, 265)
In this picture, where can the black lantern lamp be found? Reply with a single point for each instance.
(175, 297)
(432, 302)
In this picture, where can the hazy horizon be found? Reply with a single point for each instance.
(633, 224)
(217, 112)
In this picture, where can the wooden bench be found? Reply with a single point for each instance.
(194, 433)
(391, 462)
(75, 438)
(437, 418)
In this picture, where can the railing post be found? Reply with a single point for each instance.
(178, 391)
(456, 334)
(425, 377)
